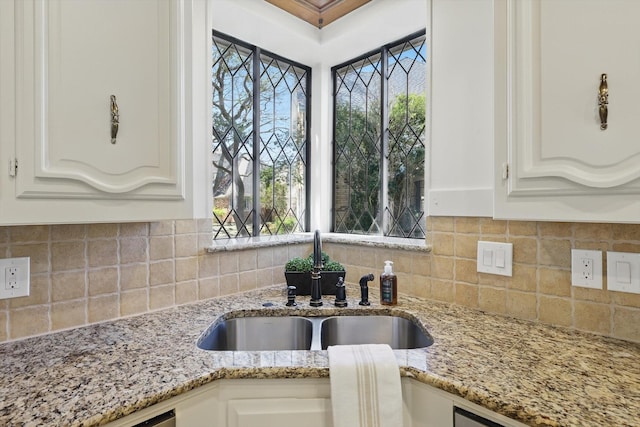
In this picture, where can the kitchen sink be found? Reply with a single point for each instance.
(312, 333)
(259, 333)
(397, 332)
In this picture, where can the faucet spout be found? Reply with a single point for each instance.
(316, 288)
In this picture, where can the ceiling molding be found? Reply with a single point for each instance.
(319, 13)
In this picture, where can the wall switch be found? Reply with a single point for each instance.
(623, 272)
(586, 268)
(495, 258)
(14, 277)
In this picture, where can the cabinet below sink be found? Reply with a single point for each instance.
(312, 333)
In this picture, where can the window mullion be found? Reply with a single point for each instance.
(384, 135)
(256, 142)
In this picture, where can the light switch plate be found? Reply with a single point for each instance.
(623, 272)
(14, 277)
(495, 258)
(586, 268)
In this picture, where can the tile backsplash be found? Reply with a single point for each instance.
(82, 274)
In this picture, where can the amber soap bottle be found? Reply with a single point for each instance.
(388, 285)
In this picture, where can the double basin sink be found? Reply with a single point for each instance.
(312, 333)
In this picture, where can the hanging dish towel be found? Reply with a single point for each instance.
(365, 386)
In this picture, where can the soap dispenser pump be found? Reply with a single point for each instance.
(388, 285)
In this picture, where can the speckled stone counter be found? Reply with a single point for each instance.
(539, 375)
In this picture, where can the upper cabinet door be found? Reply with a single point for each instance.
(98, 99)
(554, 158)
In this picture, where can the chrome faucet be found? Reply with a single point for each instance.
(316, 288)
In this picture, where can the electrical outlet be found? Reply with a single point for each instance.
(15, 280)
(586, 268)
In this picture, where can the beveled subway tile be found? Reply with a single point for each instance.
(133, 249)
(133, 302)
(186, 292)
(555, 229)
(29, 233)
(103, 281)
(68, 232)
(554, 310)
(133, 276)
(186, 245)
(67, 256)
(186, 226)
(161, 247)
(553, 281)
(553, 252)
(525, 250)
(103, 307)
(625, 323)
(522, 305)
(162, 273)
(592, 317)
(467, 225)
(492, 299)
(209, 288)
(186, 269)
(523, 228)
(96, 231)
(162, 296)
(68, 286)
(466, 246)
(28, 321)
(68, 314)
(161, 228)
(131, 229)
(102, 253)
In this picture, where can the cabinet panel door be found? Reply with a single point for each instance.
(561, 48)
(73, 55)
(283, 412)
(552, 157)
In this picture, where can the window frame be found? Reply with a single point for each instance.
(257, 53)
(383, 53)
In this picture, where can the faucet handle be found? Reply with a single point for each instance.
(291, 296)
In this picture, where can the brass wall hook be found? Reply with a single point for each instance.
(603, 101)
(115, 119)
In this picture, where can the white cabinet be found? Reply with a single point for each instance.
(74, 72)
(553, 161)
(295, 402)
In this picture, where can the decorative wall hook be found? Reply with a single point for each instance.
(115, 119)
(603, 101)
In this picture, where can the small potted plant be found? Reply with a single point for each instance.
(297, 272)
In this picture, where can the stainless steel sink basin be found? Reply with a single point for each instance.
(259, 333)
(312, 333)
(397, 332)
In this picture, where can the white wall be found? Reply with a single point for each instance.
(461, 54)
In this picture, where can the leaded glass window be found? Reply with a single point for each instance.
(261, 113)
(379, 141)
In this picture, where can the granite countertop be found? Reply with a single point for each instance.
(539, 375)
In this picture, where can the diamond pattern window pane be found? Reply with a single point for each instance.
(376, 193)
(260, 113)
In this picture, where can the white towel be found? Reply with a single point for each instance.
(365, 386)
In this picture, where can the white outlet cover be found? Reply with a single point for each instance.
(21, 287)
(577, 278)
(623, 272)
